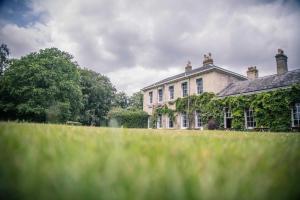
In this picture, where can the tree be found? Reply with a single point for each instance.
(98, 94)
(4, 53)
(121, 100)
(42, 86)
(136, 101)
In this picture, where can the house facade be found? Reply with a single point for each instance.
(222, 82)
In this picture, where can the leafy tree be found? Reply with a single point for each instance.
(42, 86)
(4, 53)
(136, 101)
(121, 100)
(98, 94)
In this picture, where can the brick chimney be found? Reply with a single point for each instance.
(188, 67)
(208, 60)
(252, 73)
(281, 61)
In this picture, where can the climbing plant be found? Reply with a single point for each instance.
(272, 109)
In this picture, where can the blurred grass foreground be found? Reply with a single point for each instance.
(39, 161)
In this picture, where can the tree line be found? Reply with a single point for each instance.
(49, 86)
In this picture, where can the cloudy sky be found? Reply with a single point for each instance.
(136, 42)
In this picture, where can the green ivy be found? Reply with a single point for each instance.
(271, 109)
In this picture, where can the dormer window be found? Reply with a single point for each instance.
(160, 95)
(184, 87)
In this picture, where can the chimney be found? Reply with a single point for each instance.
(188, 67)
(208, 60)
(281, 60)
(252, 73)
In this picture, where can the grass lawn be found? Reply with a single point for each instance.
(65, 162)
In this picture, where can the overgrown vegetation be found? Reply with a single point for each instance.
(128, 118)
(49, 86)
(41, 161)
(272, 109)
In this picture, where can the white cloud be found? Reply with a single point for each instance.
(135, 42)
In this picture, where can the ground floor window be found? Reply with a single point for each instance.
(198, 120)
(249, 118)
(170, 123)
(159, 121)
(227, 117)
(296, 115)
(184, 120)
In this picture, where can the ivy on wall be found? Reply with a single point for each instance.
(271, 109)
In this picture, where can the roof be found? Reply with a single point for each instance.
(193, 72)
(262, 84)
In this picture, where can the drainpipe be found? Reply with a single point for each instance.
(188, 114)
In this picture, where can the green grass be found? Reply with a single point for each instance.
(65, 162)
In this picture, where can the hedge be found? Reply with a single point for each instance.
(128, 118)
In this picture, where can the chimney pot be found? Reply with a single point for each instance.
(188, 67)
(281, 61)
(252, 73)
(208, 60)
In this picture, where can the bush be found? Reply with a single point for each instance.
(128, 118)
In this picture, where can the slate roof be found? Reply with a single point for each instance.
(262, 84)
(198, 70)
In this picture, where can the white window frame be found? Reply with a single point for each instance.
(246, 118)
(187, 88)
(168, 119)
(181, 120)
(198, 85)
(197, 115)
(159, 122)
(296, 107)
(227, 116)
(170, 92)
(150, 97)
(162, 95)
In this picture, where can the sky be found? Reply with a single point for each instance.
(136, 43)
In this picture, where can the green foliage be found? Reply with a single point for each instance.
(271, 109)
(162, 110)
(121, 100)
(128, 118)
(41, 161)
(41, 87)
(136, 101)
(98, 94)
(4, 53)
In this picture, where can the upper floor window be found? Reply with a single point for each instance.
(296, 115)
(249, 117)
(160, 95)
(199, 83)
(198, 121)
(184, 87)
(150, 97)
(171, 92)
(184, 120)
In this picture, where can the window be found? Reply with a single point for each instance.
(184, 87)
(170, 123)
(171, 92)
(184, 120)
(150, 97)
(198, 121)
(296, 115)
(250, 121)
(199, 83)
(159, 121)
(160, 95)
(227, 117)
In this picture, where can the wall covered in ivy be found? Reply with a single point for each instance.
(272, 109)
